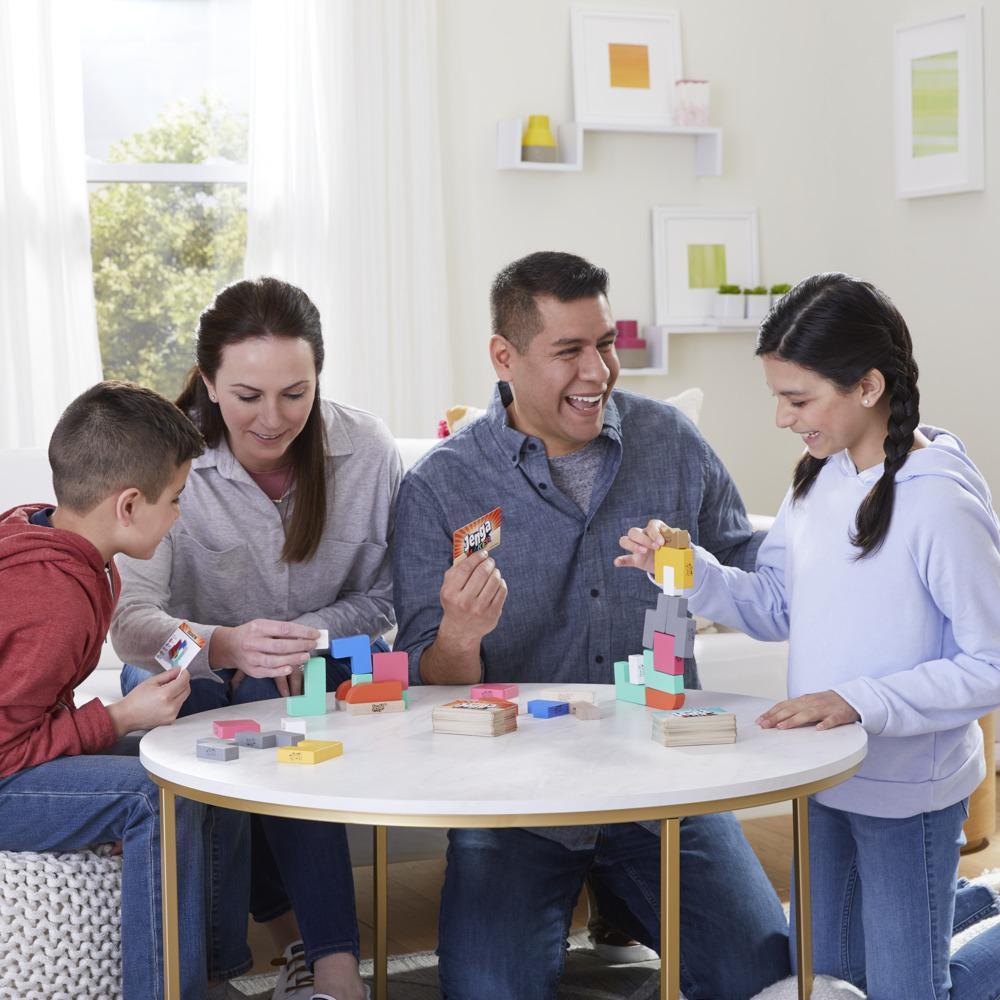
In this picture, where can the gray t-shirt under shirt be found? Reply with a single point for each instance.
(575, 474)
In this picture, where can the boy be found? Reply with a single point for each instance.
(120, 456)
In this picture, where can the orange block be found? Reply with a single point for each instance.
(343, 688)
(663, 701)
(376, 691)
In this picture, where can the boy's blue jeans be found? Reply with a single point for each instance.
(76, 802)
(257, 864)
(885, 905)
(509, 895)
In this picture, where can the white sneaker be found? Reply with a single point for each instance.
(295, 980)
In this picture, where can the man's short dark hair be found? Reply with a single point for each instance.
(563, 276)
(114, 436)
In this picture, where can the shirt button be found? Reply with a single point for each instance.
(598, 658)
(595, 592)
(513, 458)
(543, 486)
(532, 447)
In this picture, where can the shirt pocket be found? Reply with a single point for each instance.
(353, 566)
(221, 586)
(633, 584)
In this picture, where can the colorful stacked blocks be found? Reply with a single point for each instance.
(681, 561)
(386, 674)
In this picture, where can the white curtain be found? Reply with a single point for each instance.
(49, 350)
(345, 193)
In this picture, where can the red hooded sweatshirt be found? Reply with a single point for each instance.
(56, 600)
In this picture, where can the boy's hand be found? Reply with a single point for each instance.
(154, 702)
(263, 648)
(472, 597)
(826, 708)
(642, 543)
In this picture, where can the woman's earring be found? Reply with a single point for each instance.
(864, 402)
(214, 400)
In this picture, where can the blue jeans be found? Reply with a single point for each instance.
(884, 906)
(508, 899)
(72, 803)
(257, 864)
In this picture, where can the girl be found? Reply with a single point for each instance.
(883, 571)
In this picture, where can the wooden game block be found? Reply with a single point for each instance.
(376, 707)
(376, 691)
(212, 748)
(362, 679)
(636, 668)
(312, 701)
(584, 710)
(226, 729)
(568, 695)
(310, 752)
(676, 538)
(680, 560)
(667, 683)
(664, 660)
(302, 725)
(260, 740)
(342, 688)
(506, 691)
(323, 642)
(662, 701)
(542, 708)
(357, 649)
(391, 667)
(285, 739)
(624, 690)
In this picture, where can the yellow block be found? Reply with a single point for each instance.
(310, 752)
(682, 563)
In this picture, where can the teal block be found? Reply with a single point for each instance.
(668, 683)
(624, 691)
(313, 699)
(621, 672)
(647, 661)
(361, 679)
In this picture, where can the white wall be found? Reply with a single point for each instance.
(802, 89)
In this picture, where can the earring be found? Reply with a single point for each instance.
(214, 400)
(864, 402)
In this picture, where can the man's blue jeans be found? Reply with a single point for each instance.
(257, 864)
(72, 803)
(884, 906)
(509, 895)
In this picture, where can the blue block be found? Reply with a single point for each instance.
(542, 709)
(357, 649)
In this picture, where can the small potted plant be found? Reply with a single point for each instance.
(778, 292)
(758, 302)
(729, 302)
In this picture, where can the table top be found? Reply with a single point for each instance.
(396, 771)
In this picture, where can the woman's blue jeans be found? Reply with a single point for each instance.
(885, 906)
(265, 865)
(72, 803)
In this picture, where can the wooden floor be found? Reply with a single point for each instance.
(414, 888)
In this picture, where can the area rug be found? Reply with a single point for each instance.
(587, 977)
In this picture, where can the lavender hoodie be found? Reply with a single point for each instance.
(910, 635)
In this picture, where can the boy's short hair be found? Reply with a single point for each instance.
(118, 435)
(563, 276)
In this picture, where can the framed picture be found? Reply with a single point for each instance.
(625, 65)
(694, 251)
(938, 95)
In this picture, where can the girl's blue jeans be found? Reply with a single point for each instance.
(265, 865)
(885, 904)
(72, 803)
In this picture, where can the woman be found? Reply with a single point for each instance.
(284, 529)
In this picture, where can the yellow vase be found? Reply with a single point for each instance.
(538, 144)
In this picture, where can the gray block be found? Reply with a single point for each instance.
(259, 741)
(670, 616)
(211, 748)
(285, 739)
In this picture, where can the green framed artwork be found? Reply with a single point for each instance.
(938, 92)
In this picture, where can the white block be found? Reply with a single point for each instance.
(303, 724)
(636, 668)
(323, 642)
(561, 694)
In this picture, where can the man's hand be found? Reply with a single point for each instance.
(642, 543)
(825, 708)
(472, 598)
(154, 702)
(263, 648)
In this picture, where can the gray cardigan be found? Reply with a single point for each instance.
(220, 564)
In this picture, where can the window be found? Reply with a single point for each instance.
(166, 101)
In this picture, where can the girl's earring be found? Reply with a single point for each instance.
(864, 402)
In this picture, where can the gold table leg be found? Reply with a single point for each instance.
(381, 900)
(168, 888)
(803, 899)
(670, 909)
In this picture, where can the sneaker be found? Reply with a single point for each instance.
(617, 948)
(295, 978)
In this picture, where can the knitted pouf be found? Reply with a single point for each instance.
(59, 925)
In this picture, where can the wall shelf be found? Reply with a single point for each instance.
(707, 146)
(658, 341)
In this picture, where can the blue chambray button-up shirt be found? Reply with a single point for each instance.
(570, 613)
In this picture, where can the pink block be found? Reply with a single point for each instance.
(504, 691)
(391, 667)
(228, 729)
(663, 654)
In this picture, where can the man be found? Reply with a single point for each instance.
(573, 464)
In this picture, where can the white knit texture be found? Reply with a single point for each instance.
(60, 934)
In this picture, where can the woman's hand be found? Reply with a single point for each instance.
(826, 708)
(642, 543)
(263, 648)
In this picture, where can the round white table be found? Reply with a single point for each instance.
(395, 771)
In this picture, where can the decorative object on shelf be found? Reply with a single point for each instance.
(569, 147)
(778, 292)
(625, 65)
(695, 251)
(938, 96)
(758, 302)
(730, 302)
(630, 347)
(691, 99)
(538, 144)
